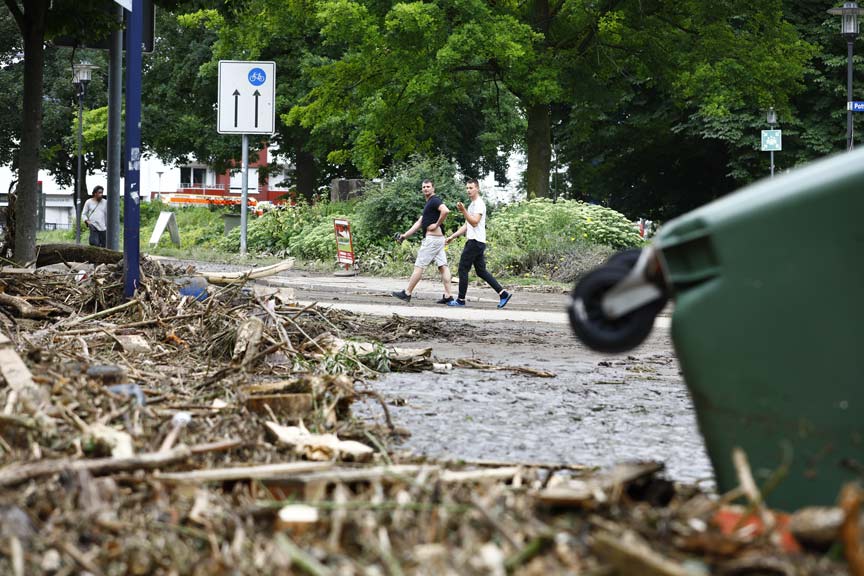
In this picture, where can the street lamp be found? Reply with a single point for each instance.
(159, 189)
(849, 29)
(80, 78)
(772, 120)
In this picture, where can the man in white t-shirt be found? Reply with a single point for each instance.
(473, 253)
(95, 213)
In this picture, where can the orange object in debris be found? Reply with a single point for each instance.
(731, 520)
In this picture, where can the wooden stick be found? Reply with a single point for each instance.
(748, 486)
(103, 313)
(263, 472)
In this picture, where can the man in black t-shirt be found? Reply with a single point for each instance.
(432, 248)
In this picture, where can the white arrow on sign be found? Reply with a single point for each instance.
(247, 94)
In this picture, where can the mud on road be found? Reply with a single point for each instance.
(597, 410)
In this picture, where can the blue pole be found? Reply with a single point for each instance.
(132, 189)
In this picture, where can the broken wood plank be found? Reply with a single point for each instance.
(268, 471)
(291, 406)
(19, 379)
(599, 488)
(630, 554)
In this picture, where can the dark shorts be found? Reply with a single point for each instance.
(98, 237)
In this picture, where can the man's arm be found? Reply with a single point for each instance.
(413, 228)
(443, 211)
(473, 219)
(457, 233)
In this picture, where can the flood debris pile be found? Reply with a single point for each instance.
(208, 430)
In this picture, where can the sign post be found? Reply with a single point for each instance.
(247, 105)
(344, 246)
(132, 191)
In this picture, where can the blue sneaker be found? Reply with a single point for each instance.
(504, 299)
(460, 303)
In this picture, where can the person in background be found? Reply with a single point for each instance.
(473, 253)
(95, 214)
(432, 248)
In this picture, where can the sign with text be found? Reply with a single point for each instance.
(344, 245)
(247, 97)
(855, 106)
(772, 140)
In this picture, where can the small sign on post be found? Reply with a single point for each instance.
(344, 245)
(772, 140)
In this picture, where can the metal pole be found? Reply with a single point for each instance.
(115, 103)
(849, 143)
(772, 163)
(132, 192)
(77, 195)
(245, 195)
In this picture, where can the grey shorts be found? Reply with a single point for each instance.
(431, 250)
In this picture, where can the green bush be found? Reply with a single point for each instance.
(396, 205)
(545, 223)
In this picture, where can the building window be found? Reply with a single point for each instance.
(193, 177)
(237, 182)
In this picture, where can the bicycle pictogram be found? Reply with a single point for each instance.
(257, 76)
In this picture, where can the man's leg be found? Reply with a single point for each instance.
(480, 268)
(465, 262)
(103, 238)
(447, 279)
(414, 280)
(94, 237)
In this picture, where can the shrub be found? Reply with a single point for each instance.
(396, 205)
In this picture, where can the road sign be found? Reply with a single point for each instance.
(772, 140)
(855, 106)
(127, 4)
(247, 95)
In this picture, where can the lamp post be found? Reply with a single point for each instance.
(159, 190)
(80, 78)
(849, 29)
(772, 120)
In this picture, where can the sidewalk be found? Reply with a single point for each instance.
(372, 295)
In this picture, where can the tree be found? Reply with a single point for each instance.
(38, 20)
(400, 60)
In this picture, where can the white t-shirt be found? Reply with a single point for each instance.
(478, 232)
(96, 213)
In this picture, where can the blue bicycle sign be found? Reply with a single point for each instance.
(257, 76)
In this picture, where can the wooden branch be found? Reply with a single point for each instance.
(223, 278)
(24, 308)
(48, 254)
(17, 473)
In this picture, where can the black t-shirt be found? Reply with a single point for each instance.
(430, 212)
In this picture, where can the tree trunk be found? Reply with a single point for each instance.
(538, 141)
(306, 172)
(32, 26)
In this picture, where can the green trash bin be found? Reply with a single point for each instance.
(767, 326)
